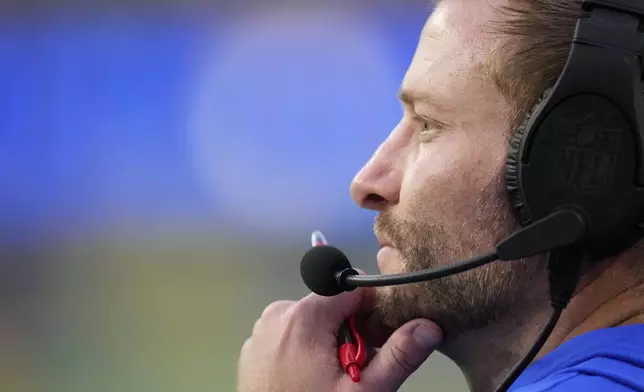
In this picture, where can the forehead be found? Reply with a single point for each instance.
(453, 48)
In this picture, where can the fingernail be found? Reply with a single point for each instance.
(425, 336)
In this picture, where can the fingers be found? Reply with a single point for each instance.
(372, 331)
(332, 311)
(404, 352)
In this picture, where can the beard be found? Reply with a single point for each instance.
(462, 229)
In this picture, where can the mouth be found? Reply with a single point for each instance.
(388, 256)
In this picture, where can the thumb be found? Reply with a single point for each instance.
(403, 353)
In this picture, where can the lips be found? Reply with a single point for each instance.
(389, 260)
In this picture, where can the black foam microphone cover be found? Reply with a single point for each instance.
(319, 268)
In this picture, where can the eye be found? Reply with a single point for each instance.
(428, 129)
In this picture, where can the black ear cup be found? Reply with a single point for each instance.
(512, 186)
(577, 151)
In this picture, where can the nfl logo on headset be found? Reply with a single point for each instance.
(587, 154)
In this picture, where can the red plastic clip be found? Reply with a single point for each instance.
(353, 354)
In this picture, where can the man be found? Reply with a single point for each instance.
(437, 182)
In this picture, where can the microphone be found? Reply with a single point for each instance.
(327, 271)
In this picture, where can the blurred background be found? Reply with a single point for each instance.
(162, 165)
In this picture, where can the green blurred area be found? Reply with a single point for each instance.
(167, 314)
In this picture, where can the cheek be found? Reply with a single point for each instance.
(450, 174)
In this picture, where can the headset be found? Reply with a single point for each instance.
(574, 171)
(582, 145)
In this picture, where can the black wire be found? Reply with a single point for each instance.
(538, 344)
(563, 275)
(419, 276)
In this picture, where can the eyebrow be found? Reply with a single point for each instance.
(410, 97)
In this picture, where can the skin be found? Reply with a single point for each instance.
(436, 182)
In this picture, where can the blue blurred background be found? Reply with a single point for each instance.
(162, 165)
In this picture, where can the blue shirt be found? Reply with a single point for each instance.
(606, 360)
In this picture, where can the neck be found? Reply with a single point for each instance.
(608, 295)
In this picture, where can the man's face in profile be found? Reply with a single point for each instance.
(437, 180)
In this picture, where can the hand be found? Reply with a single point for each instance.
(293, 348)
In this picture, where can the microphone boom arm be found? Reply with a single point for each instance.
(352, 280)
(559, 229)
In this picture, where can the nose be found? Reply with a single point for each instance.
(377, 184)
